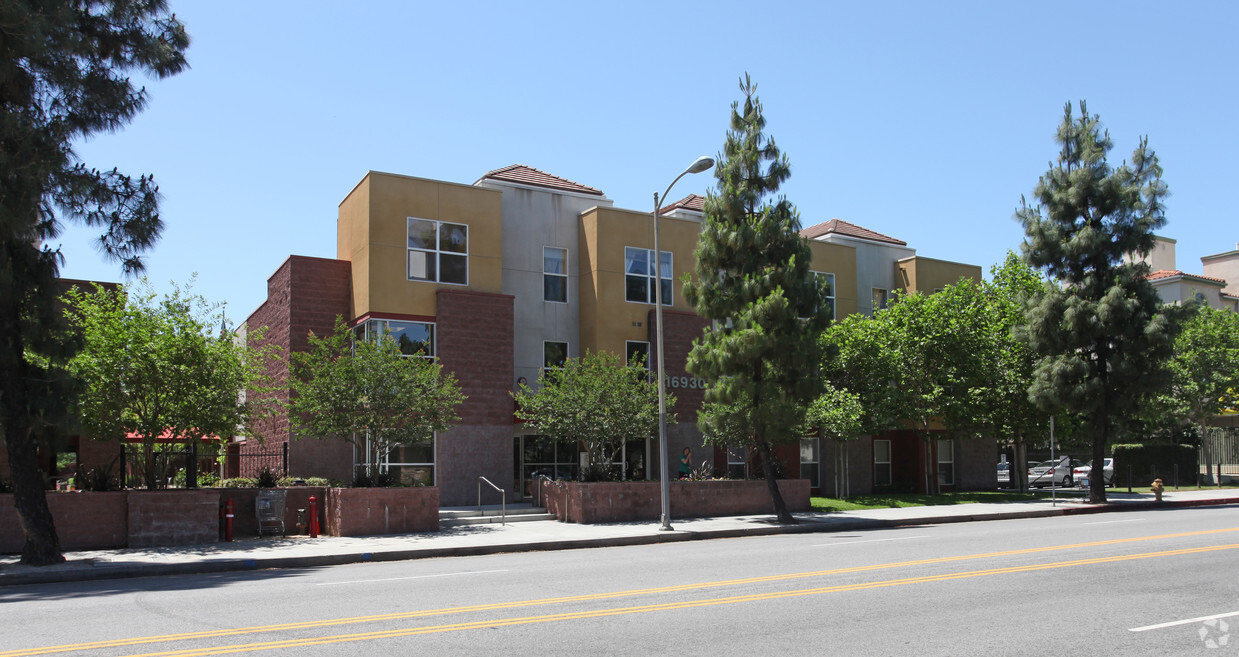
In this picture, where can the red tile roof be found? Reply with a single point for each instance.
(690, 202)
(526, 175)
(852, 230)
(1167, 273)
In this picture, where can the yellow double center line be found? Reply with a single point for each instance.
(368, 636)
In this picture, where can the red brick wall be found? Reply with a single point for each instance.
(180, 517)
(368, 511)
(304, 295)
(475, 338)
(641, 500)
(84, 521)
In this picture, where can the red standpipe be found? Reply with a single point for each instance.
(313, 517)
(228, 521)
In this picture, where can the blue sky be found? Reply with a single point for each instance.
(925, 121)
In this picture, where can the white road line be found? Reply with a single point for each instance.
(1182, 622)
(1107, 522)
(394, 579)
(876, 540)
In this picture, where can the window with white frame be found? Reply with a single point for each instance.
(639, 275)
(438, 251)
(414, 338)
(554, 355)
(637, 349)
(810, 457)
(827, 282)
(737, 462)
(882, 463)
(946, 462)
(554, 274)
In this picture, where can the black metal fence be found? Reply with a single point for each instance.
(165, 465)
(1219, 456)
(246, 460)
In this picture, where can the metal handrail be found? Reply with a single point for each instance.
(503, 500)
(538, 488)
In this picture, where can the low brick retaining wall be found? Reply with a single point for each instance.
(139, 518)
(625, 501)
(366, 511)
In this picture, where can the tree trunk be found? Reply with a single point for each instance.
(1097, 485)
(42, 546)
(767, 463)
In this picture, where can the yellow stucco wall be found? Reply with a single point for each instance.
(372, 233)
(608, 320)
(840, 260)
(924, 275)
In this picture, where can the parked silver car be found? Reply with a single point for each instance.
(1041, 474)
(1082, 473)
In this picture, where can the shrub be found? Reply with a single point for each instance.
(266, 478)
(97, 479)
(239, 482)
(1149, 462)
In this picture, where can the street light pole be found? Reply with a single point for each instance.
(664, 476)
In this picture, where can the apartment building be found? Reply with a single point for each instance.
(510, 275)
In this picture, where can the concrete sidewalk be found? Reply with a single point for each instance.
(305, 552)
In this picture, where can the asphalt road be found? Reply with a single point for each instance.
(1157, 582)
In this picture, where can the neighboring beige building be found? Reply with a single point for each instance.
(1218, 286)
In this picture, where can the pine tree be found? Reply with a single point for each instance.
(753, 280)
(1101, 335)
(64, 69)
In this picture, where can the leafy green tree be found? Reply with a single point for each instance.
(1100, 337)
(943, 355)
(370, 394)
(596, 400)
(65, 68)
(836, 415)
(156, 367)
(1013, 417)
(753, 279)
(1205, 367)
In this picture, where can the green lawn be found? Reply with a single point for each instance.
(899, 500)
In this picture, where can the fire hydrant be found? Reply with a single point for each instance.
(1157, 489)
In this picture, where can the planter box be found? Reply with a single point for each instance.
(369, 511)
(626, 501)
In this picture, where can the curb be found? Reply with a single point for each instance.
(90, 571)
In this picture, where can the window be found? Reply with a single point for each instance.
(737, 463)
(639, 275)
(882, 463)
(438, 252)
(410, 465)
(414, 338)
(554, 354)
(879, 299)
(637, 349)
(946, 462)
(809, 459)
(554, 274)
(827, 281)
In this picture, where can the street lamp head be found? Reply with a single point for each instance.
(700, 164)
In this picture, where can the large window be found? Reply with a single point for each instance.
(554, 274)
(414, 338)
(882, 463)
(827, 282)
(554, 354)
(409, 465)
(946, 462)
(438, 252)
(639, 275)
(810, 458)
